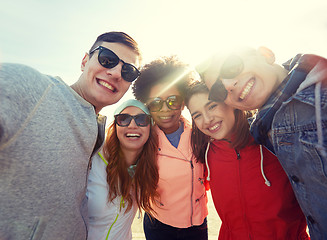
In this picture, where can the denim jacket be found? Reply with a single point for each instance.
(293, 125)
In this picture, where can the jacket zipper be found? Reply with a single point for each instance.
(197, 200)
(122, 204)
(192, 182)
(192, 167)
(238, 157)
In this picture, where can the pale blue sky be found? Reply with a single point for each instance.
(52, 36)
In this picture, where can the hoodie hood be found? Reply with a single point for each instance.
(315, 77)
(226, 144)
(316, 67)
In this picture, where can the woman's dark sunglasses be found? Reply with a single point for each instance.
(232, 67)
(109, 59)
(124, 119)
(173, 102)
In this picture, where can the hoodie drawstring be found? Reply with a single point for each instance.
(316, 76)
(261, 165)
(206, 160)
(267, 182)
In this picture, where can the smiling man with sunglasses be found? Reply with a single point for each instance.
(48, 133)
(108, 70)
(292, 117)
(182, 210)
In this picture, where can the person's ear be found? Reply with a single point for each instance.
(84, 61)
(267, 54)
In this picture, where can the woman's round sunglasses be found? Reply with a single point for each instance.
(173, 102)
(109, 59)
(124, 119)
(232, 67)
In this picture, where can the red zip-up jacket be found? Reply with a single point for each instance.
(246, 205)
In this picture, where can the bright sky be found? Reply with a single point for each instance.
(52, 36)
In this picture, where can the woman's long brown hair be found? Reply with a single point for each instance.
(142, 188)
(240, 130)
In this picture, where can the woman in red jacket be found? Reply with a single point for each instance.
(250, 190)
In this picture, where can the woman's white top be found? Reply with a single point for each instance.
(104, 216)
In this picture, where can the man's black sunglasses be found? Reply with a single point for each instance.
(109, 59)
(124, 119)
(232, 67)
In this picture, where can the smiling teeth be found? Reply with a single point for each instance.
(132, 135)
(165, 118)
(106, 85)
(214, 127)
(246, 90)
